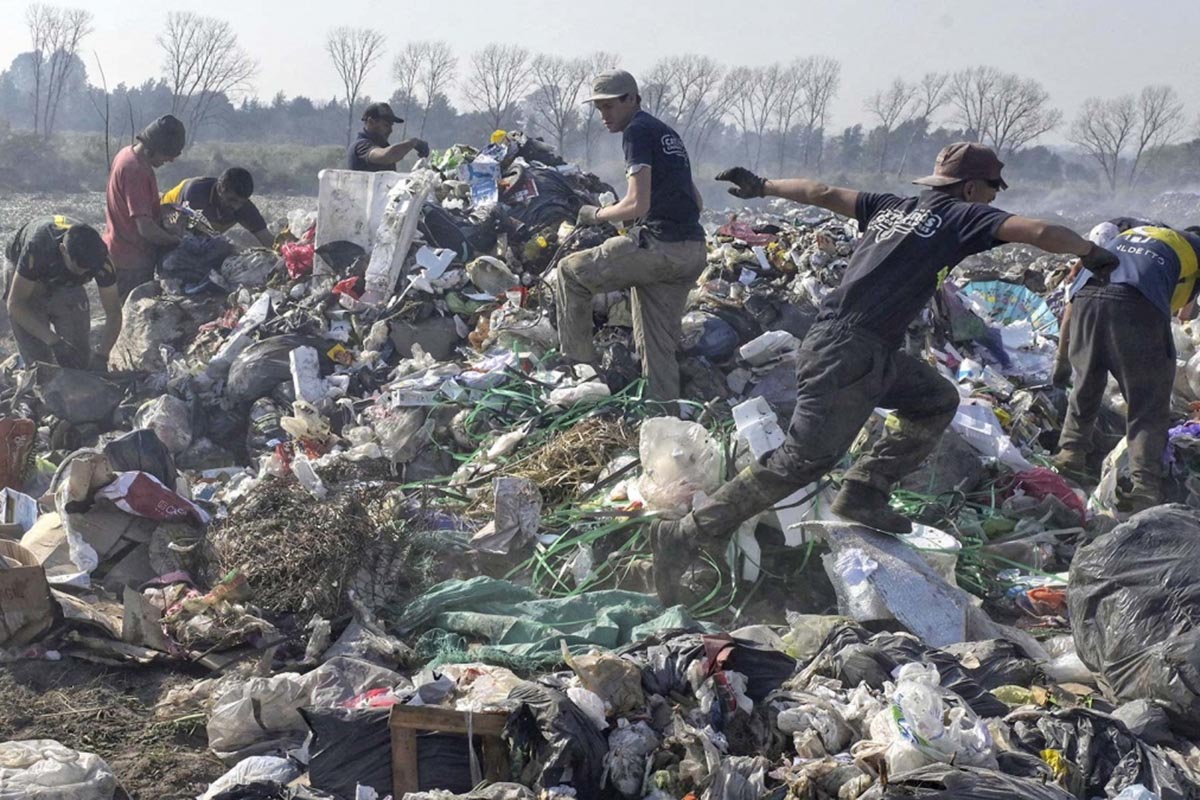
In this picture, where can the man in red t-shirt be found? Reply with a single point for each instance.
(135, 233)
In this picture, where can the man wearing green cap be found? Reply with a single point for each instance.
(133, 214)
(850, 362)
(659, 259)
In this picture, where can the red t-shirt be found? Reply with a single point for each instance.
(132, 192)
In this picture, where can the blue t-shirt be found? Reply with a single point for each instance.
(906, 242)
(673, 215)
(356, 156)
(1159, 262)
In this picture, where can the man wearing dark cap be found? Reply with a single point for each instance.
(371, 152)
(850, 362)
(52, 259)
(135, 234)
(224, 201)
(659, 259)
(1120, 325)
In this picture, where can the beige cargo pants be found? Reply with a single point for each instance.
(659, 275)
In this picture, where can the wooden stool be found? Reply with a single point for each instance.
(406, 721)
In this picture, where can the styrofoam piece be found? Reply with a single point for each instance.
(351, 204)
(757, 424)
(394, 238)
(768, 347)
(306, 375)
(434, 261)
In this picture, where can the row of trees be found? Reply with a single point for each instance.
(773, 117)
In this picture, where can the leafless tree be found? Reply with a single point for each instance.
(930, 97)
(890, 107)
(597, 62)
(500, 76)
(1000, 109)
(104, 113)
(1160, 120)
(354, 52)
(203, 62)
(554, 103)
(820, 78)
(755, 93)
(55, 34)
(787, 109)
(1019, 112)
(1103, 129)
(686, 92)
(436, 75)
(406, 69)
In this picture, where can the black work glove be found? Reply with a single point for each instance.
(422, 148)
(1099, 262)
(587, 216)
(748, 185)
(69, 356)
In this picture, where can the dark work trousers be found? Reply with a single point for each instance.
(843, 373)
(1116, 331)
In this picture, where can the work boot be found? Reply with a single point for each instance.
(866, 505)
(1070, 462)
(674, 550)
(1138, 499)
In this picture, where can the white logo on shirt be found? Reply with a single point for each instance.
(894, 222)
(672, 145)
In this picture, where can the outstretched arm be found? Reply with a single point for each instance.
(801, 190)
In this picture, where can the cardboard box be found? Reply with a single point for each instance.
(27, 609)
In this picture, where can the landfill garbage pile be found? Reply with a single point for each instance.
(399, 546)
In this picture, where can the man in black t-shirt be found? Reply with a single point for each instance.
(370, 152)
(52, 259)
(224, 202)
(850, 361)
(659, 260)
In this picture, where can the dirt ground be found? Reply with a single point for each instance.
(110, 712)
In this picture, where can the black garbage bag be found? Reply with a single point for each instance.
(1107, 757)
(995, 662)
(141, 451)
(442, 228)
(947, 782)
(708, 336)
(76, 395)
(195, 257)
(349, 746)
(264, 365)
(555, 736)
(853, 655)
(540, 196)
(340, 255)
(1134, 601)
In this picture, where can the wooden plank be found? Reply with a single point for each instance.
(445, 720)
(404, 761)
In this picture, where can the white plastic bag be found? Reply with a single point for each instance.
(44, 769)
(980, 428)
(932, 725)
(170, 419)
(679, 460)
(255, 768)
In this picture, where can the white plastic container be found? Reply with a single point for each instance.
(768, 347)
(350, 204)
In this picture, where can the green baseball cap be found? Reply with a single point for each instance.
(611, 84)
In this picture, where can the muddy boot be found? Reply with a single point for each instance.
(1071, 463)
(1138, 499)
(676, 543)
(674, 550)
(868, 506)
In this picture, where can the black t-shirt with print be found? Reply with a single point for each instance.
(906, 242)
(35, 253)
(356, 156)
(673, 215)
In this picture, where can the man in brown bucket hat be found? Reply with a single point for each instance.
(850, 361)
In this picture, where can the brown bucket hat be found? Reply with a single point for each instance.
(964, 161)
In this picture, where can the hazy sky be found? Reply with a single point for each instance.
(1078, 49)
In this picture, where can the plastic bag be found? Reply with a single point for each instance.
(264, 365)
(195, 257)
(491, 275)
(252, 770)
(46, 770)
(249, 269)
(707, 335)
(298, 258)
(679, 459)
(143, 495)
(980, 428)
(933, 725)
(629, 746)
(170, 419)
(1134, 602)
